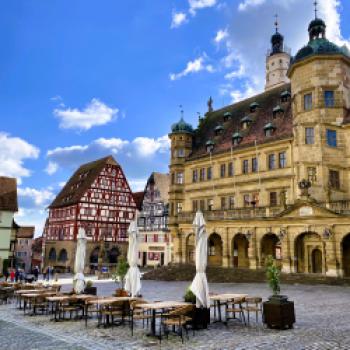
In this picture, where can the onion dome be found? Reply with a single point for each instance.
(182, 127)
(277, 43)
(316, 28)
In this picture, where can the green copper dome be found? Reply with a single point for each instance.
(182, 127)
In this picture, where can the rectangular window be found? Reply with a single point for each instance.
(210, 204)
(245, 168)
(230, 169)
(282, 160)
(311, 174)
(209, 173)
(172, 178)
(222, 170)
(331, 138)
(273, 199)
(334, 179)
(195, 175)
(329, 99)
(202, 174)
(202, 205)
(194, 206)
(254, 165)
(179, 208)
(180, 178)
(255, 199)
(246, 200)
(223, 203)
(309, 136)
(231, 202)
(272, 161)
(181, 153)
(307, 102)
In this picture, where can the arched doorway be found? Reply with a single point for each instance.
(214, 250)
(306, 260)
(52, 254)
(316, 261)
(270, 245)
(63, 256)
(190, 249)
(240, 251)
(346, 255)
(113, 255)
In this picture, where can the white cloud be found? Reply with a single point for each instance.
(13, 152)
(194, 66)
(96, 113)
(178, 18)
(38, 197)
(221, 35)
(114, 144)
(240, 72)
(148, 146)
(200, 4)
(243, 6)
(51, 168)
(239, 95)
(137, 185)
(62, 184)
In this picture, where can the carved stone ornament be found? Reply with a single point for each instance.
(327, 233)
(282, 234)
(249, 235)
(304, 186)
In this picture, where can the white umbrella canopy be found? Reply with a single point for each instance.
(199, 286)
(133, 276)
(79, 264)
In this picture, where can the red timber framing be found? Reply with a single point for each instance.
(97, 198)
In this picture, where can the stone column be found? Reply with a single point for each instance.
(177, 243)
(225, 249)
(252, 252)
(330, 261)
(287, 261)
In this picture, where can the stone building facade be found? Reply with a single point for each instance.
(23, 248)
(271, 173)
(97, 198)
(155, 242)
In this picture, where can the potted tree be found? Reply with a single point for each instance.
(278, 311)
(119, 276)
(90, 289)
(201, 316)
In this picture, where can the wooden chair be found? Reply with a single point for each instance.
(71, 305)
(253, 304)
(138, 314)
(179, 318)
(111, 311)
(40, 303)
(234, 307)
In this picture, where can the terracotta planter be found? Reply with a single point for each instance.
(121, 293)
(278, 312)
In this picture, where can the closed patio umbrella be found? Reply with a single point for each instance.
(133, 276)
(199, 286)
(79, 264)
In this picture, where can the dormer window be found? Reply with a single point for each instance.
(246, 122)
(253, 107)
(219, 130)
(227, 116)
(236, 138)
(277, 111)
(209, 146)
(269, 129)
(285, 96)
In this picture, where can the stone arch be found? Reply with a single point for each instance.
(215, 245)
(52, 254)
(270, 245)
(113, 255)
(94, 255)
(305, 260)
(190, 248)
(63, 256)
(345, 251)
(240, 245)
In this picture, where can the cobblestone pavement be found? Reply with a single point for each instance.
(323, 322)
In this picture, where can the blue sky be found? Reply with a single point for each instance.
(80, 79)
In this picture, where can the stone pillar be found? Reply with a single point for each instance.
(177, 243)
(287, 261)
(293, 258)
(225, 250)
(330, 260)
(252, 252)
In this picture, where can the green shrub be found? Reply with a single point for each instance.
(121, 271)
(273, 275)
(89, 284)
(189, 297)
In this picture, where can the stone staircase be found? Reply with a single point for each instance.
(230, 275)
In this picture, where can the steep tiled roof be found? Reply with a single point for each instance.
(80, 182)
(138, 198)
(8, 194)
(255, 132)
(25, 232)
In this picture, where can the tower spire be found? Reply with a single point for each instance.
(316, 10)
(276, 22)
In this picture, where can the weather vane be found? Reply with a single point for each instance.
(316, 3)
(276, 22)
(181, 111)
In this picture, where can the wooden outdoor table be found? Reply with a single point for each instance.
(30, 297)
(162, 305)
(223, 299)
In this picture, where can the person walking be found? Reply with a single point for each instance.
(12, 275)
(6, 274)
(36, 273)
(16, 275)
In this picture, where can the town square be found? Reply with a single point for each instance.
(175, 175)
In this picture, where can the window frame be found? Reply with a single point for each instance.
(329, 102)
(334, 181)
(273, 201)
(282, 161)
(255, 165)
(308, 101)
(332, 138)
(309, 136)
(222, 170)
(271, 161)
(245, 166)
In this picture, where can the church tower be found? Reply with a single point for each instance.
(277, 61)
